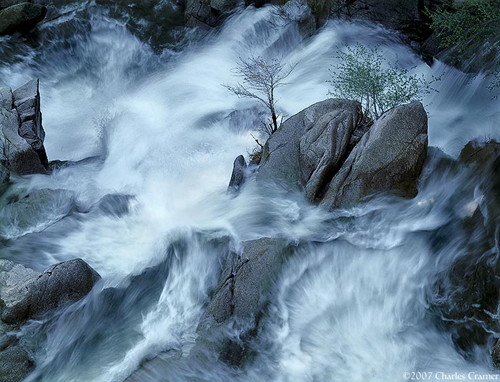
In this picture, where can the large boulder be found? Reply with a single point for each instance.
(22, 135)
(389, 158)
(25, 293)
(307, 147)
(21, 17)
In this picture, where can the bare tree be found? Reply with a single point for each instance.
(260, 78)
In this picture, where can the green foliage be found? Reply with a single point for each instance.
(466, 21)
(364, 75)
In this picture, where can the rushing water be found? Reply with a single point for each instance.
(352, 305)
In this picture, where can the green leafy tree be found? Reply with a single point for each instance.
(364, 75)
(466, 21)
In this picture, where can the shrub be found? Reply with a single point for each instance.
(363, 74)
(462, 22)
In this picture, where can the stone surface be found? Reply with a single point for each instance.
(245, 284)
(15, 152)
(16, 364)
(27, 103)
(21, 17)
(388, 158)
(15, 284)
(238, 175)
(285, 164)
(6, 98)
(22, 135)
(68, 281)
(28, 294)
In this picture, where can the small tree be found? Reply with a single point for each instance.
(364, 75)
(260, 79)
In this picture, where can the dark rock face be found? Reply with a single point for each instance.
(20, 17)
(16, 364)
(325, 151)
(389, 158)
(238, 175)
(22, 135)
(207, 12)
(27, 294)
(466, 296)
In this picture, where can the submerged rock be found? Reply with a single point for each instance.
(35, 211)
(21, 17)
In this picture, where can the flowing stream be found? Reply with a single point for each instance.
(353, 305)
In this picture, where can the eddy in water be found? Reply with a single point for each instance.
(243, 191)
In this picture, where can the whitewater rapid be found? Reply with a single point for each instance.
(166, 131)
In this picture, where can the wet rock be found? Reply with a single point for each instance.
(16, 364)
(115, 204)
(245, 283)
(27, 294)
(21, 17)
(35, 211)
(388, 158)
(466, 294)
(238, 175)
